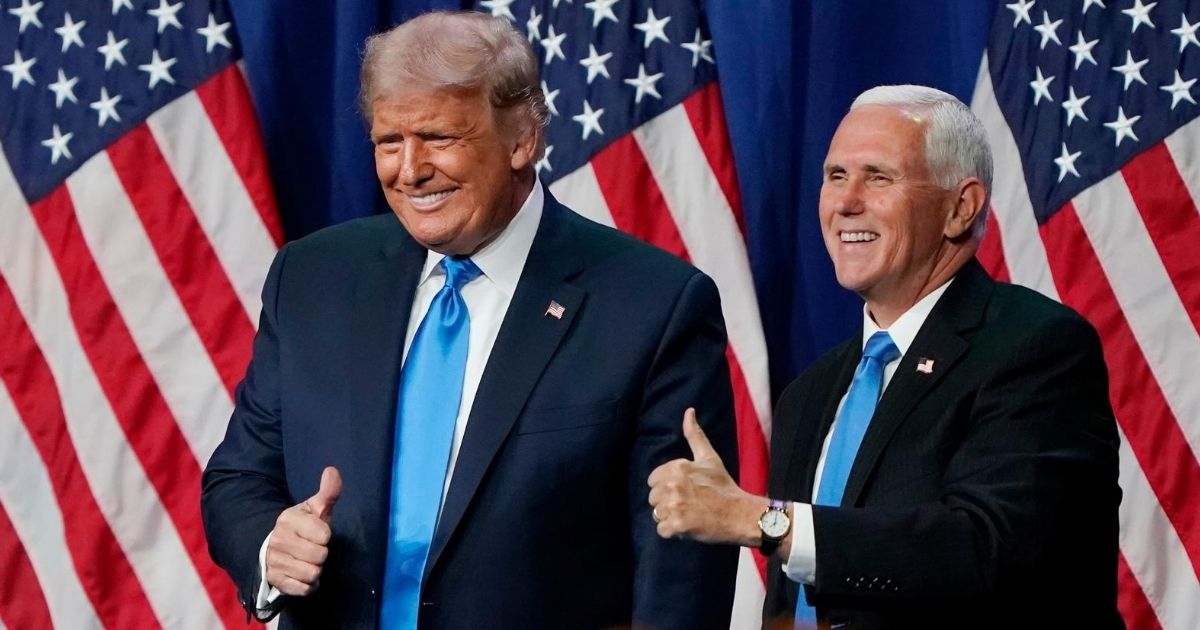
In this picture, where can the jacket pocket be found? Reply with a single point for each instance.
(565, 417)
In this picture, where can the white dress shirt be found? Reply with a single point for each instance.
(801, 565)
(487, 298)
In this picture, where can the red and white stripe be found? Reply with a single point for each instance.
(1123, 253)
(128, 303)
(671, 182)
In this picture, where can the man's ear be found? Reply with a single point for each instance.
(524, 150)
(970, 195)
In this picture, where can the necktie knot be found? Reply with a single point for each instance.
(881, 347)
(459, 271)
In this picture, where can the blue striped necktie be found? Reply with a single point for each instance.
(852, 423)
(431, 384)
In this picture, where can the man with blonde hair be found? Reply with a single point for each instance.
(452, 409)
(955, 465)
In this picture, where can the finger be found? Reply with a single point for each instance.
(661, 474)
(656, 495)
(300, 549)
(295, 588)
(282, 568)
(327, 495)
(296, 523)
(701, 448)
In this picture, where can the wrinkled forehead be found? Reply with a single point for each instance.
(880, 132)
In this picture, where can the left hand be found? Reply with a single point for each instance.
(698, 499)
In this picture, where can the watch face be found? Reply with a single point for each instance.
(774, 523)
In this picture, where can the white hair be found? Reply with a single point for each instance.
(956, 144)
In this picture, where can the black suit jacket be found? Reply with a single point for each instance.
(546, 522)
(984, 494)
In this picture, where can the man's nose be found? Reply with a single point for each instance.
(848, 196)
(414, 164)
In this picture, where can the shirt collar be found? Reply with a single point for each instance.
(904, 330)
(503, 259)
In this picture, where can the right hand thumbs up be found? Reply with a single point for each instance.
(299, 544)
(321, 504)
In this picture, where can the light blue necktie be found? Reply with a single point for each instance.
(431, 385)
(852, 423)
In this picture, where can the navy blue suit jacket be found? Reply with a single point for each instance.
(546, 522)
(984, 494)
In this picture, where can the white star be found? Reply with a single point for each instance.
(214, 34)
(1140, 14)
(69, 32)
(166, 15)
(602, 10)
(1074, 107)
(106, 107)
(645, 84)
(594, 63)
(58, 145)
(1180, 90)
(117, 4)
(1123, 126)
(654, 28)
(19, 69)
(28, 14)
(557, 1)
(1132, 69)
(544, 163)
(112, 51)
(534, 25)
(64, 89)
(499, 7)
(1083, 50)
(553, 42)
(1020, 10)
(1066, 162)
(550, 96)
(1186, 33)
(1048, 29)
(1088, 3)
(700, 49)
(1041, 88)
(159, 70)
(589, 119)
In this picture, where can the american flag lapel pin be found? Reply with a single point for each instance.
(925, 366)
(555, 310)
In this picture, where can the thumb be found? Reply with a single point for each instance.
(701, 448)
(327, 495)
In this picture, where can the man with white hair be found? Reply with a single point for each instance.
(452, 408)
(955, 464)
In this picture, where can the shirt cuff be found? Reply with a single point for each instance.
(801, 564)
(264, 603)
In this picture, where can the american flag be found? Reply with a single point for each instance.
(1091, 108)
(136, 226)
(637, 140)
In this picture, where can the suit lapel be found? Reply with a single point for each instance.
(939, 341)
(803, 458)
(382, 303)
(527, 340)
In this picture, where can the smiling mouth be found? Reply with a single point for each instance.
(429, 200)
(857, 237)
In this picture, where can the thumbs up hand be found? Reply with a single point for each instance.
(698, 499)
(299, 543)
